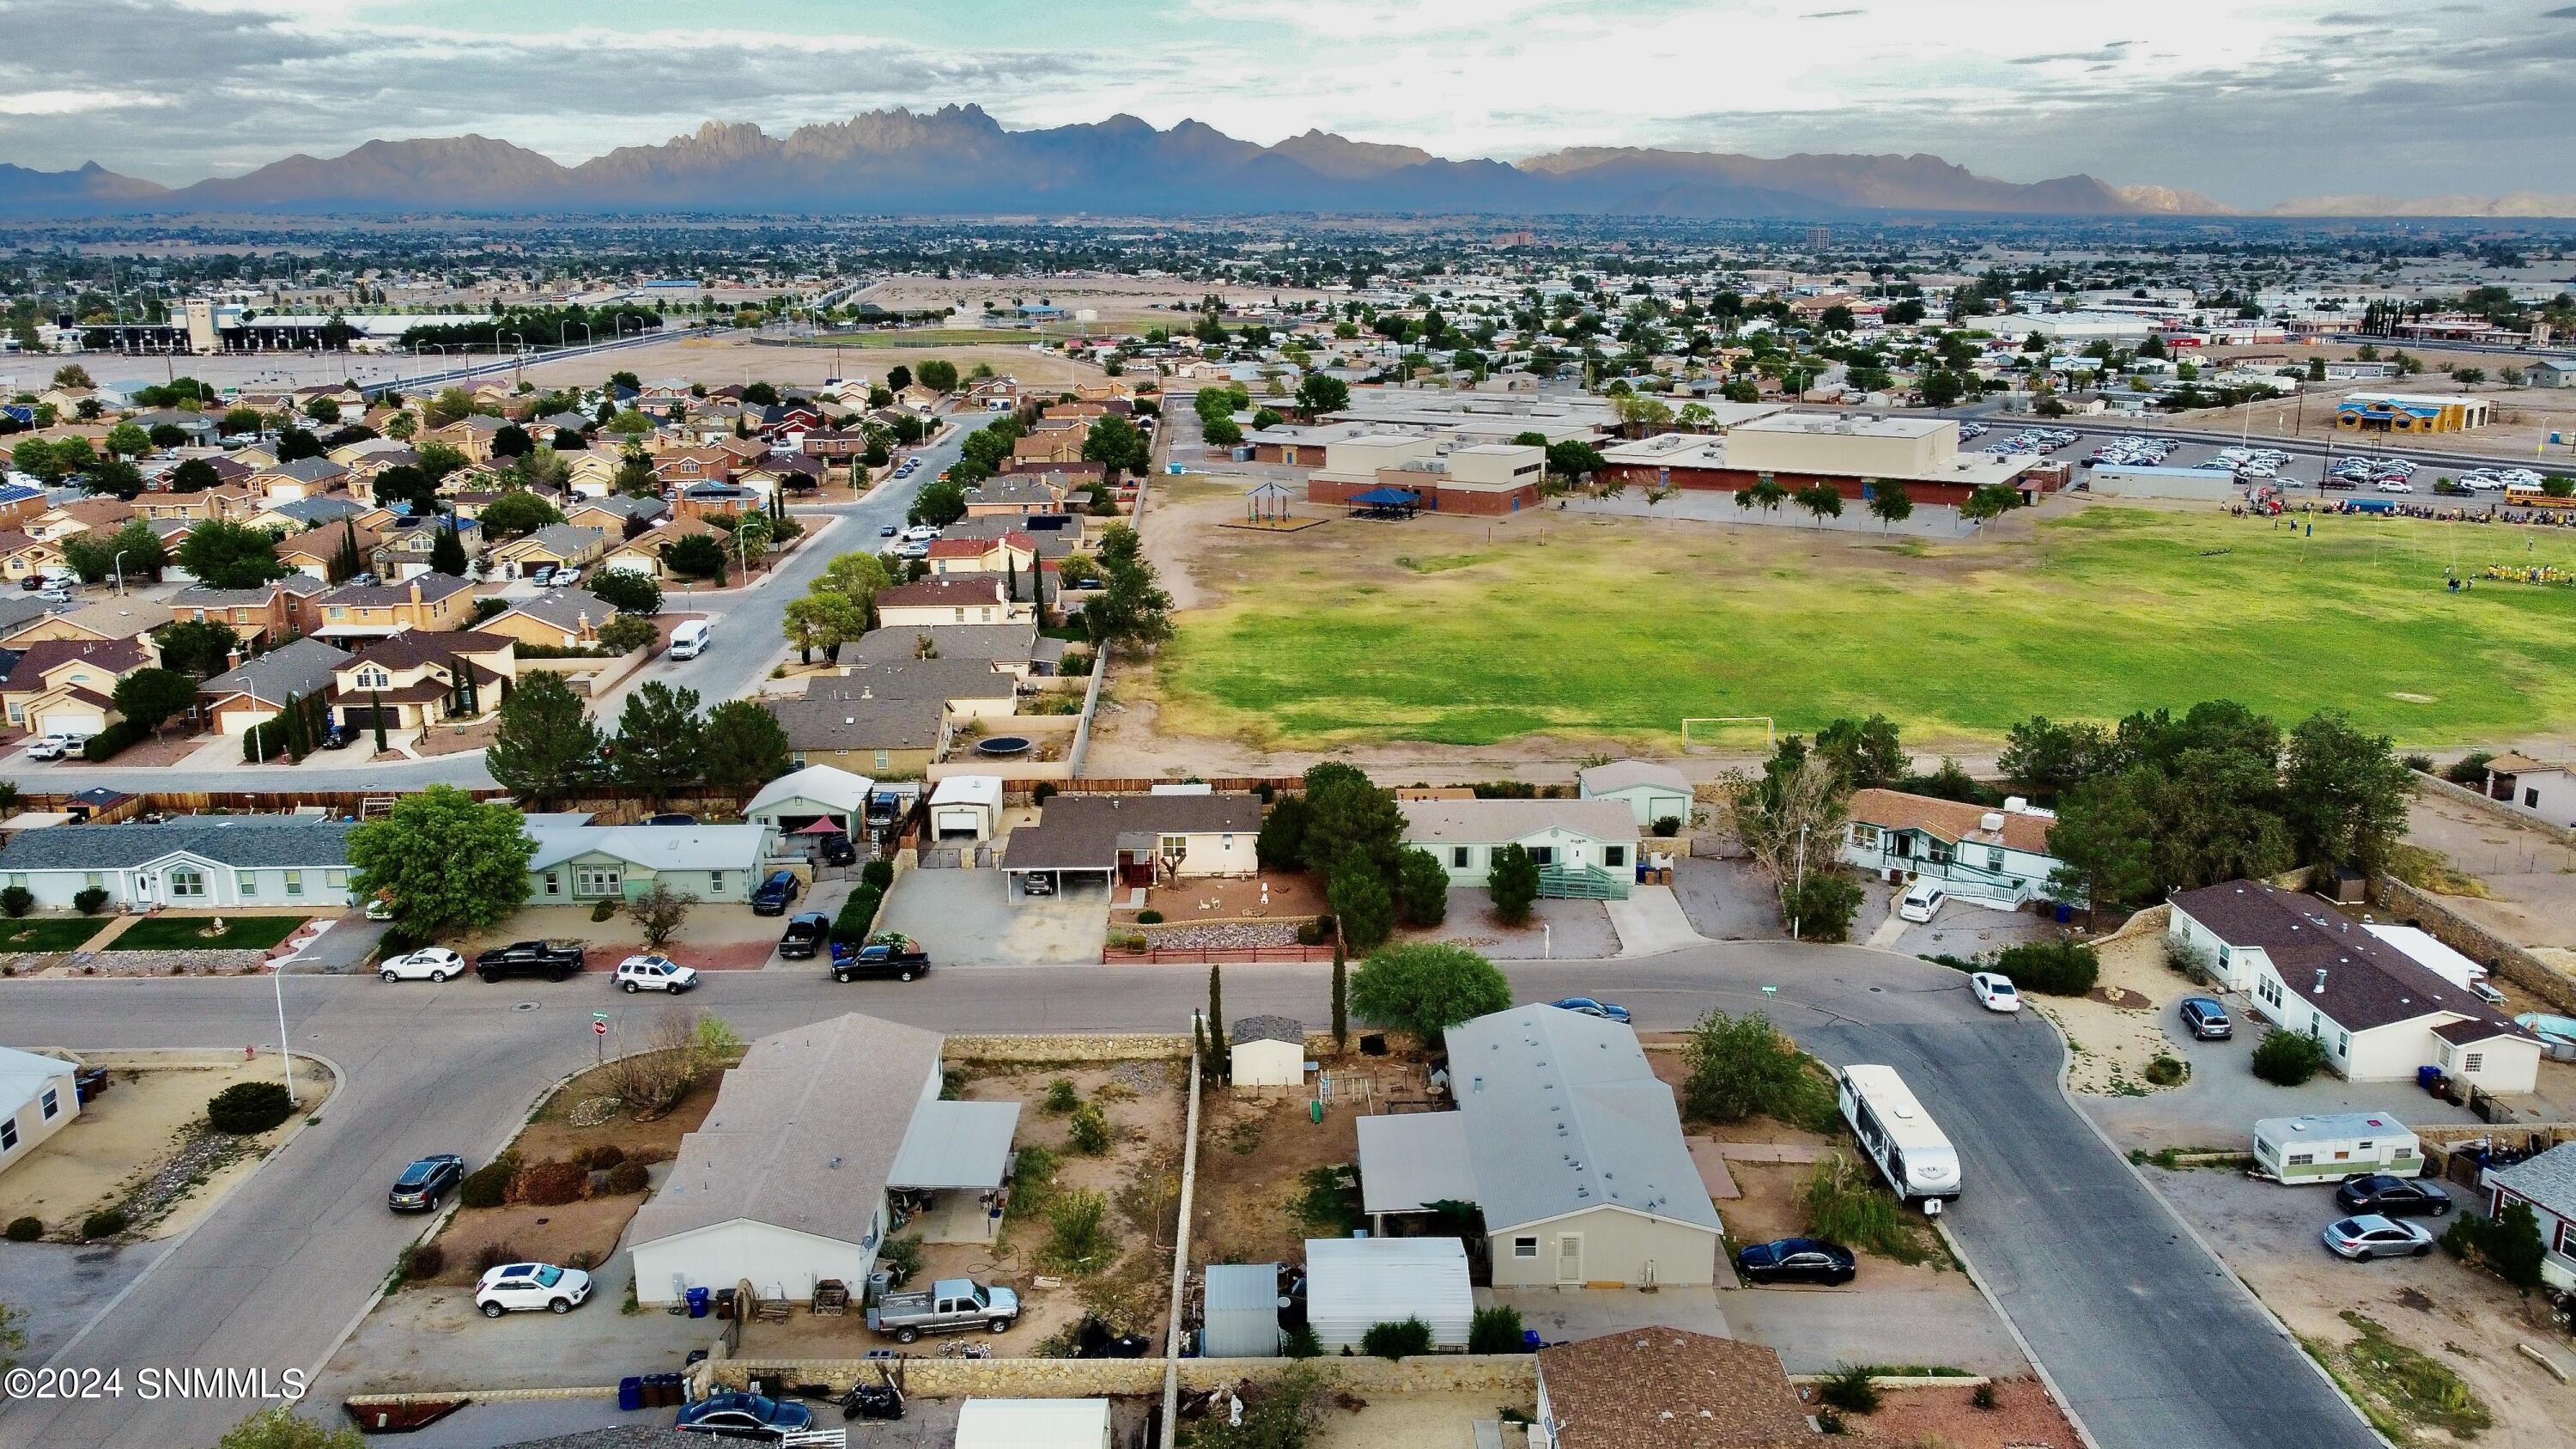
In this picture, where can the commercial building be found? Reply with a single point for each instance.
(2403, 412)
(1476, 478)
(1849, 453)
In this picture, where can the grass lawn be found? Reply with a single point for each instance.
(930, 337)
(183, 933)
(1453, 633)
(48, 933)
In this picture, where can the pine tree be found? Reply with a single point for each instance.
(469, 696)
(1037, 587)
(1216, 1021)
(345, 563)
(447, 552)
(295, 743)
(1341, 994)
(1011, 571)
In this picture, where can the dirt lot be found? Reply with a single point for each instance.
(716, 938)
(1272, 895)
(1413, 1421)
(715, 358)
(1255, 1153)
(2524, 417)
(1145, 300)
(2466, 1323)
(144, 1144)
(2116, 1031)
(2023, 1418)
(2522, 871)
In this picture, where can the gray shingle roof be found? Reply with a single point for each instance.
(234, 840)
(2549, 1179)
(861, 724)
(1082, 832)
(1487, 822)
(992, 643)
(282, 673)
(2368, 983)
(1268, 1028)
(309, 470)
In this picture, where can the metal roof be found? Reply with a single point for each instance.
(1353, 1283)
(655, 847)
(1489, 822)
(1411, 1160)
(956, 1144)
(822, 784)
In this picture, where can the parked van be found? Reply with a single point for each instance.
(690, 639)
(1923, 900)
(2334, 1146)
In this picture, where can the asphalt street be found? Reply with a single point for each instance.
(2140, 1328)
(748, 641)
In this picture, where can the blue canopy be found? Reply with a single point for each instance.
(1388, 498)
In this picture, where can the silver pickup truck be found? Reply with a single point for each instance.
(948, 1306)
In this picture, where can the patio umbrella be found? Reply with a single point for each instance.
(822, 826)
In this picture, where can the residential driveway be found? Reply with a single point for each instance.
(1559, 930)
(348, 941)
(1564, 1314)
(926, 1424)
(1959, 929)
(1650, 921)
(968, 916)
(2223, 1099)
(1728, 900)
(61, 1286)
(1942, 1323)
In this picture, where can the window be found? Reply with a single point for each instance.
(554, 884)
(2302, 1159)
(1994, 859)
(596, 880)
(187, 881)
(882, 763)
(715, 882)
(336, 879)
(2343, 1043)
(2531, 798)
(1542, 855)
(2269, 988)
(295, 882)
(53, 1102)
(1864, 836)
(8, 1135)
(93, 880)
(1461, 856)
(1524, 1247)
(245, 882)
(1614, 856)
(2475, 1063)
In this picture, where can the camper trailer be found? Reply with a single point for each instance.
(2333, 1147)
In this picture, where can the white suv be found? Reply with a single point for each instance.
(518, 1287)
(51, 747)
(655, 973)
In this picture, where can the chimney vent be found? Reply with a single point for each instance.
(2320, 988)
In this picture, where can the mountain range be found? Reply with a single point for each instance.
(957, 160)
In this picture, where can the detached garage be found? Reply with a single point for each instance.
(966, 807)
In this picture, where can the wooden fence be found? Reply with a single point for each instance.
(1215, 955)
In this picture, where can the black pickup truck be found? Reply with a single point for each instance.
(891, 953)
(553, 960)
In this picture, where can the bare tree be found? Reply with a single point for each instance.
(659, 912)
(1790, 819)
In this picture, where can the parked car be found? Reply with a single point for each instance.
(888, 531)
(947, 1306)
(671, 818)
(775, 893)
(2392, 1197)
(1923, 900)
(339, 737)
(2372, 1236)
(50, 747)
(2205, 1018)
(519, 1287)
(806, 932)
(745, 1416)
(837, 850)
(424, 1182)
(1586, 1006)
(379, 909)
(429, 963)
(1994, 991)
(1797, 1260)
(551, 960)
(889, 953)
(655, 973)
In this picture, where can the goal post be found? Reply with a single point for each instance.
(1733, 731)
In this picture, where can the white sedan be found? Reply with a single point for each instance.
(430, 963)
(517, 1287)
(1994, 992)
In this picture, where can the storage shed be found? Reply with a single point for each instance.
(1242, 1311)
(1033, 1424)
(1267, 1051)
(966, 807)
(1354, 1284)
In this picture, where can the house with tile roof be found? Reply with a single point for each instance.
(1997, 858)
(273, 610)
(553, 546)
(23, 556)
(430, 601)
(2533, 787)
(421, 677)
(2378, 1012)
(206, 861)
(68, 686)
(112, 618)
(949, 599)
(555, 619)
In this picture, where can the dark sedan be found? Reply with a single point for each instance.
(2392, 1197)
(424, 1182)
(1797, 1260)
(774, 894)
(745, 1416)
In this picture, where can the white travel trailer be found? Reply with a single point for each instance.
(1899, 1135)
(2334, 1146)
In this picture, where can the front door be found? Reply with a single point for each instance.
(1569, 1259)
(1574, 856)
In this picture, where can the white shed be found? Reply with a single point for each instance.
(1033, 1424)
(966, 807)
(1652, 792)
(1242, 1311)
(1267, 1051)
(1354, 1284)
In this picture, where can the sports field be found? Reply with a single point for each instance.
(929, 337)
(1449, 632)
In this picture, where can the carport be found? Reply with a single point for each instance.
(949, 1173)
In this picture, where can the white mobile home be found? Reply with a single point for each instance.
(1996, 858)
(1583, 848)
(2333, 1146)
(37, 1099)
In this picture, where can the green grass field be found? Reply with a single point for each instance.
(182, 933)
(1621, 630)
(48, 933)
(931, 337)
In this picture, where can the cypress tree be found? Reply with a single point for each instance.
(1341, 994)
(376, 707)
(1216, 1020)
(294, 742)
(447, 552)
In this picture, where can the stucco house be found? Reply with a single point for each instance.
(1570, 1144)
(274, 610)
(426, 601)
(2379, 1013)
(949, 599)
(1996, 858)
(419, 678)
(553, 546)
(1137, 840)
(193, 861)
(251, 693)
(579, 864)
(2533, 787)
(38, 1098)
(1653, 792)
(67, 686)
(1583, 848)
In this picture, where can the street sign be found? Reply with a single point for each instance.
(1770, 991)
(599, 1028)
(599, 1016)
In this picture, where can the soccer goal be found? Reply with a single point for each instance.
(1732, 734)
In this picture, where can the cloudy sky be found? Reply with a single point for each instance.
(2248, 101)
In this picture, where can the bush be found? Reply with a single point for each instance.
(1849, 1389)
(2469, 769)
(878, 873)
(2052, 968)
(902, 1258)
(627, 1177)
(1149, 918)
(2420, 764)
(1060, 1097)
(2288, 1058)
(1078, 1233)
(493, 1255)
(601, 1157)
(1668, 826)
(2166, 1070)
(248, 1107)
(1823, 906)
(1985, 1398)
(858, 913)
(1310, 933)
(487, 1186)
(17, 901)
(1741, 1066)
(25, 1230)
(603, 910)
(1392, 1341)
(109, 742)
(423, 1262)
(550, 1184)
(90, 901)
(1090, 1130)
(1303, 1342)
(106, 1223)
(1494, 1330)
(1841, 1202)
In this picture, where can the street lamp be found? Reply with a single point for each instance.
(564, 329)
(285, 1051)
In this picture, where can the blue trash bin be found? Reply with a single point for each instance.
(630, 1393)
(698, 1302)
(2065, 913)
(2426, 1077)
